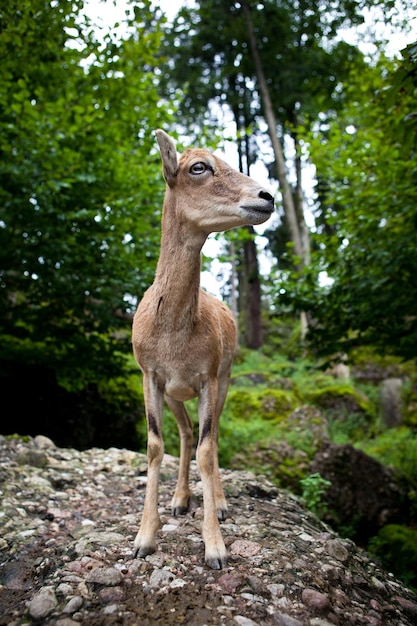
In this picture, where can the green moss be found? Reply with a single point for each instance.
(276, 404)
(380, 366)
(341, 395)
(282, 464)
(17, 437)
(243, 404)
(396, 547)
(350, 414)
(268, 404)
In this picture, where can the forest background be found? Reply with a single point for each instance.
(81, 194)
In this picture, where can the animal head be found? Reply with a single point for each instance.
(207, 192)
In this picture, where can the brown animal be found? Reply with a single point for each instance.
(183, 338)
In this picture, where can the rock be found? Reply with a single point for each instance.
(111, 595)
(244, 621)
(230, 582)
(43, 443)
(161, 577)
(43, 603)
(391, 402)
(73, 605)
(337, 550)
(36, 458)
(363, 505)
(281, 619)
(105, 576)
(409, 607)
(69, 543)
(244, 548)
(315, 600)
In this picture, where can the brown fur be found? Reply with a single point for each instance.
(183, 338)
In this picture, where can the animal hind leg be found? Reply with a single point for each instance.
(221, 503)
(181, 500)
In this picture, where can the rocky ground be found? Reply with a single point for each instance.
(67, 524)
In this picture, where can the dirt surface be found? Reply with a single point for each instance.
(67, 524)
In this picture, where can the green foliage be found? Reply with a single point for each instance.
(396, 547)
(283, 464)
(350, 414)
(268, 404)
(396, 447)
(314, 486)
(104, 413)
(366, 241)
(80, 188)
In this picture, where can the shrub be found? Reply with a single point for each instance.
(396, 547)
(396, 447)
(313, 488)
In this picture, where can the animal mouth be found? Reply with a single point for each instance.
(266, 209)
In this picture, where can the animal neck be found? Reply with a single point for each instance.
(177, 278)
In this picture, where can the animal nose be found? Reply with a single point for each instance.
(265, 195)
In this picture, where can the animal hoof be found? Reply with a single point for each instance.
(143, 551)
(179, 510)
(180, 505)
(221, 514)
(216, 562)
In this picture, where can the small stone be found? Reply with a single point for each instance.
(157, 560)
(169, 528)
(229, 583)
(284, 603)
(286, 620)
(64, 589)
(242, 547)
(3, 544)
(177, 583)
(73, 605)
(276, 590)
(161, 577)
(379, 585)
(256, 584)
(111, 595)
(244, 621)
(83, 590)
(108, 576)
(315, 600)
(111, 609)
(43, 443)
(409, 607)
(35, 458)
(43, 603)
(337, 550)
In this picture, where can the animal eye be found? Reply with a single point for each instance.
(198, 168)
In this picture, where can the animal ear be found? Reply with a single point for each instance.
(168, 155)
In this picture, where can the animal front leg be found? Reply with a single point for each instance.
(145, 541)
(215, 550)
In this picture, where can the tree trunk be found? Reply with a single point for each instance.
(249, 278)
(252, 294)
(296, 223)
(299, 200)
(287, 196)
